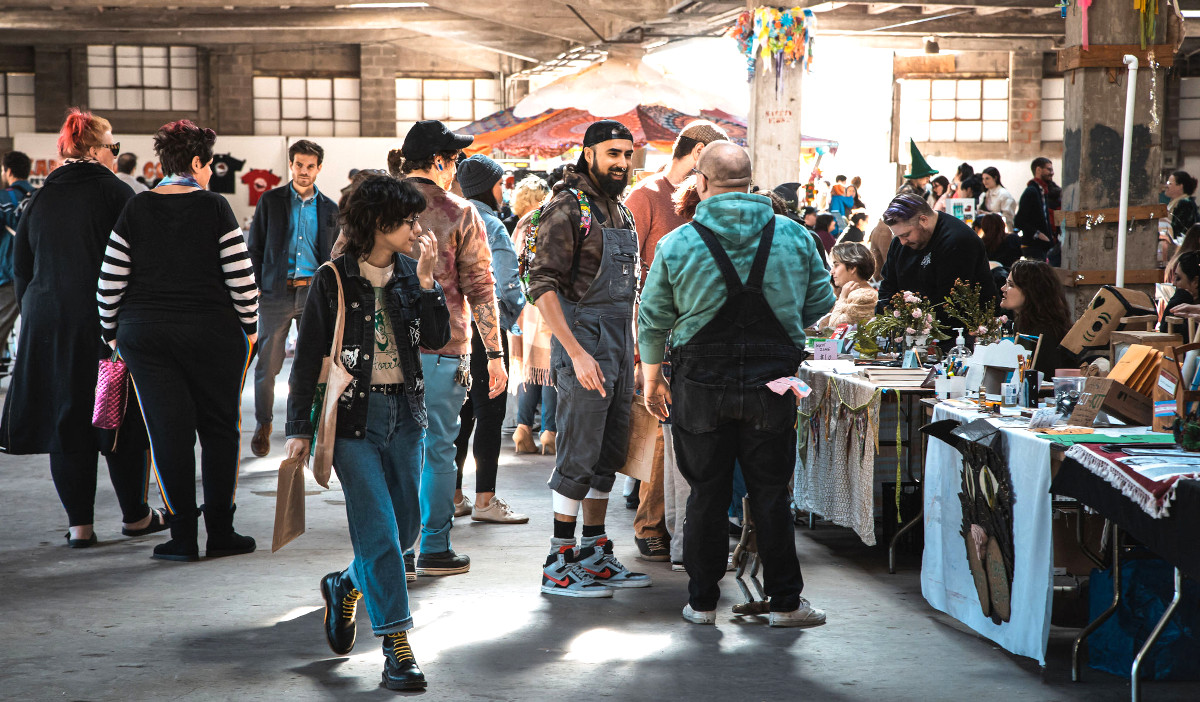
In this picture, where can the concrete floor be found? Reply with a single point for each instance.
(109, 623)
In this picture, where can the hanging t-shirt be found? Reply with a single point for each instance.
(260, 181)
(224, 168)
(386, 368)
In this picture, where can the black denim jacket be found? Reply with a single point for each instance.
(418, 317)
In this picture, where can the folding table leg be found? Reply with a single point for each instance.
(1090, 628)
(1158, 628)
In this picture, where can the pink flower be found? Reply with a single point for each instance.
(896, 314)
(916, 314)
(928, 318)
(1003, 319)
(981, 330)
(910, 331)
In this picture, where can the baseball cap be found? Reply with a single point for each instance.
(430, 137)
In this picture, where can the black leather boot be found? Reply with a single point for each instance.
(400, 669)
(182, 546)
(341, 604)
(222, 539)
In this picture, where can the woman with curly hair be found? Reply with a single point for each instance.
(177, 298)
(1034, 295)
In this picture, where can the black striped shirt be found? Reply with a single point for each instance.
(176, 258)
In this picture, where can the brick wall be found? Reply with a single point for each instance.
(230, 86)
(377, 66)
(1024, 103)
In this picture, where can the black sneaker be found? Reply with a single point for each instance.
(654, 548)
(442, 563)
(400, 669)
(410, 567)
(341, 604)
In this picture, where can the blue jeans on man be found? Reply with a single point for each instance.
(443, 401)
(380, 476)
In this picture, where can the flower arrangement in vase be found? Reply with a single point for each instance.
(908, 316)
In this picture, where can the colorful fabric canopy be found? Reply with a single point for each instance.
(556, 131)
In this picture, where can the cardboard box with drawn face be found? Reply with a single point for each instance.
(1103, 317)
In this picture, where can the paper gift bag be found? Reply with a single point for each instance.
(332, 382)
(644, 437)
(289, 503)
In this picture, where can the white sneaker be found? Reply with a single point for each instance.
(698, 617)
(463, 507)
(677, 567)
(498, 512)
(803, 617)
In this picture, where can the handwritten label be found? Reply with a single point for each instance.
(825, 350)
(1166, 381)
(778, 116)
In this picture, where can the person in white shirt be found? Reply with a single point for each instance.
(125, 165)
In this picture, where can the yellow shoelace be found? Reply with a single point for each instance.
(350, 603)
(400, 647)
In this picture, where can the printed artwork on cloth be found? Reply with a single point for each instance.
(224, 173)
(387, 359)
(1140, 478)
(260, 181)
(838, 432)
(987, 508)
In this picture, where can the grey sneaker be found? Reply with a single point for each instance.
(498, 512)
(463, 507)
(563, 575)
(803, 617)
(599, 561)
(698, 617)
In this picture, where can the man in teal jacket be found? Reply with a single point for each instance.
(734, 290)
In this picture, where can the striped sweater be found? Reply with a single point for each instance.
(176, 258)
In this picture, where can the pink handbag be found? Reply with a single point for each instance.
(112, 393)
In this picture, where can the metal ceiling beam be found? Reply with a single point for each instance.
(878, 8)
(966, 24)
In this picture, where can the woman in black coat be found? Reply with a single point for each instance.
(56, 260)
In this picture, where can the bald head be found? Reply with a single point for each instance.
(725, 168)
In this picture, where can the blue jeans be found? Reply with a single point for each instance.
(380, 479)
(739, 491)
(443, 401)
(527, 402)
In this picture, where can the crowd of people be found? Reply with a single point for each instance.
(433, 294)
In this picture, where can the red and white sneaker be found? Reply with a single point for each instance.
(599, 562)
(563, 575)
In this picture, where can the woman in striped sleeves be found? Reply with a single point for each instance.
(177, 298)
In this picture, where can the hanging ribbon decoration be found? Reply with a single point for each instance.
(780, 38)
(1083, 7)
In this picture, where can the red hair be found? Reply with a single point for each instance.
(80, 132)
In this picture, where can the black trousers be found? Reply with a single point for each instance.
(189, 379)
(714, 426)
(482, 415)
(75, 479)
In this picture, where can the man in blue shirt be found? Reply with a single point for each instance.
(292, 234)
(17, 189)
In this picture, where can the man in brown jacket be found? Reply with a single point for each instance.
(464, 270)
(583, 280)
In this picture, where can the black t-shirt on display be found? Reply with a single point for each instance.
(224, 179)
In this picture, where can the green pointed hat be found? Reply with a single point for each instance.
(919, 168)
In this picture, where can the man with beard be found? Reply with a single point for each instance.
(583, 279)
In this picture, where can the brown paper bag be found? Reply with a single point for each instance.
(643, 436)
(332, 382)
(289, 503)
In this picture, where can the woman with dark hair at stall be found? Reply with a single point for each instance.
(1186, 277)
(381, 421)
(178, 299)
(1191, 242)
(824, 227)
(964, 172)
(996, 197)
(1181, 209)
(941, 192)
(57, 252)
(1034, 295)
(1002, 247)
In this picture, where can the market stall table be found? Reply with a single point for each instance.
(839, 427)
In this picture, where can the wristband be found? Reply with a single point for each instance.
(493, 355)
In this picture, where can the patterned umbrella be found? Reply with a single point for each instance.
(556, 131)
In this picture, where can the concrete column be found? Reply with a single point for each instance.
(774, 126)
(231, 86)
(377, 75)
(1093, 139)
(53, 91)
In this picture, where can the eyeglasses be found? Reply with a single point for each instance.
(411, 221)
(114, 148)
(697, 171)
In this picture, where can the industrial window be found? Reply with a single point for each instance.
(948, 109)
(1189, 109)
(1053, 91)
(306, 106)
(456, 102)
(142, 78)
(16, 103)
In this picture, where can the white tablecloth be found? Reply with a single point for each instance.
(946, 580)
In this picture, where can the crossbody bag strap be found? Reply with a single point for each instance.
(339, 323)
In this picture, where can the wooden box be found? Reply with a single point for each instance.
(1120, 341)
